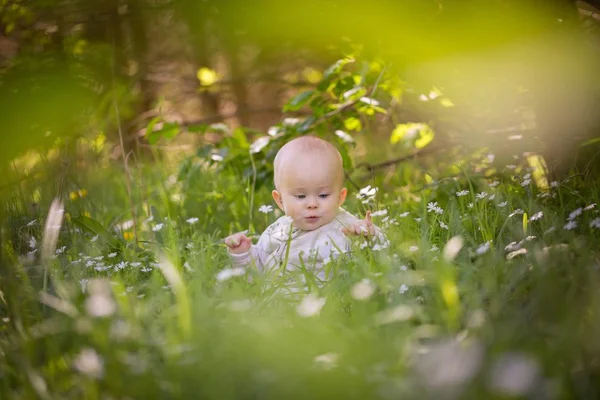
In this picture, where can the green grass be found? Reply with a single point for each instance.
(153, 321)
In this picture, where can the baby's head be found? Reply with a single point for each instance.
(309, 181)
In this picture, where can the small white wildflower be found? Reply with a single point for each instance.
(94, 238)
(554, 184)
(403, 289)
(462, 193)
(503, 204)
(526, 182)
(396, 314)
(146, 269)
(536, 216)
(404, 214)
(192, 220)
(327, 361)
(590, 207)
(511, 166)
(259, 144)
(516, 253)
(32, 243)
(595, 223)
(492, 197)
(432, 206)
(575, 213)
(434, 248)
(150, 218)
(346, 138)
(491, 157)
(418, 219)
(61, 250)
(493, 184)
(443, 225)
(363, 290)
(31, 223)
(484, 248)
(518, 211)
(379, 213)
(157, 227)
(470, 205)
(112, 255)
(572, 224)
(265, 208)
(230, 273)
(89, 363)
(135, 264)
(403, 268)
(512, 246)
(310, 305)
(481, 196)
(413, 249)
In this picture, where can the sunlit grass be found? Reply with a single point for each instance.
(466, 299)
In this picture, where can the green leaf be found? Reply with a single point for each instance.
(353, 124)
(590, 141)
(168, 131)
(95, 227)
(298, 101)
(426, 137)
(337, 67)
(306, 124)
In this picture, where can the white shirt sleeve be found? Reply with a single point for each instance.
(257, 255)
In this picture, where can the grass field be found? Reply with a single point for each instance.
(489, 289)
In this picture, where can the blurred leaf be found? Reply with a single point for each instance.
(337, 67)
(353, 124)
(298, 101)
(96, 228)
(426, 137)
(206, 76)
(168, 131)
(590, 141)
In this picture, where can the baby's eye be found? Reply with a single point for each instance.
(300, 196)
(324, 195)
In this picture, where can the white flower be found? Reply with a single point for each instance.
(94, 238)
(443, 225)
(526, 182)
(157, 227)
(591, 206)
(492, 197)
(462, 193)
(192, 220)
(574, 214)
(344, 136)
(310, 305)
(484, 248)
(481, 196)
(259, 144)
(379, 213)
(265, 208)
(491, 157)
(511, 166)
(32, 243)
(595, 223)
(290, 121)
(326, 361)
(536, 216)
(403, 289)
(89, 363)
(112, 255)
(432, 206)
(572, 224)
(518, 211)
(413, 249)
(493, 184)
(470, 205)
(503, 204)
(230, 273)
(363, 290)
(404, 214)
(418, 219)
(434, 248)
(554, 184)
(367, 193)
(31, 223)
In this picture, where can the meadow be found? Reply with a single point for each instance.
(488, 289)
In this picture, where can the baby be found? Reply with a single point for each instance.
(309, 180)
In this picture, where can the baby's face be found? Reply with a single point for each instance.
(310, 193)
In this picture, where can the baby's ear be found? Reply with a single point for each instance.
(277, 197)
(342, 197)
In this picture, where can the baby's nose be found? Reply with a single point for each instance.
(312, 204)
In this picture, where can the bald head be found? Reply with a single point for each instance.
(308, 151)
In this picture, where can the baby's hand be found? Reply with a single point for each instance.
(365, 227)
(238, 243)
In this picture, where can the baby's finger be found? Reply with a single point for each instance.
(368, 219)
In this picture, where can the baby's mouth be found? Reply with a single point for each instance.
(312, 218)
